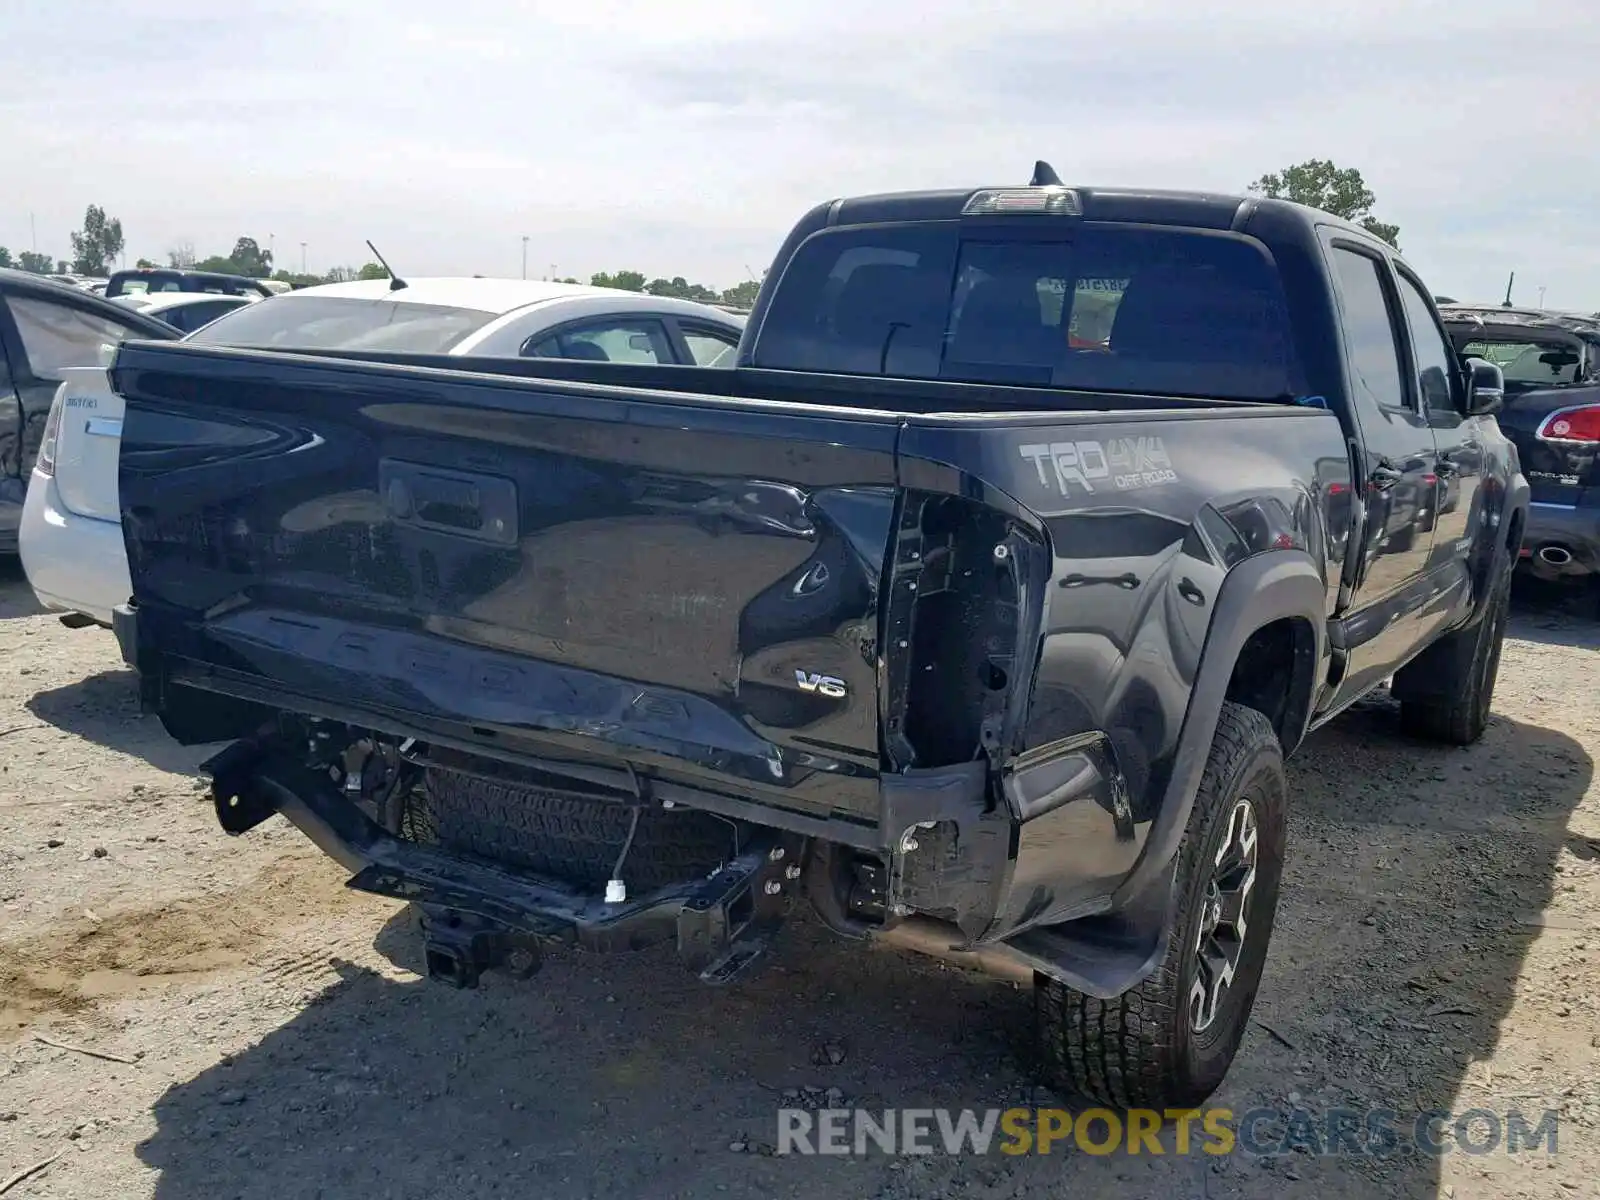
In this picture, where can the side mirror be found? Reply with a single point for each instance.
(1486, 388)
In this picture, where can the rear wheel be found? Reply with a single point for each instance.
(1445, 694)
(1170, 1041)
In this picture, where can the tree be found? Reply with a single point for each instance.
(181, 256)
(215, 264)
(569, 279)
(373, 270)
(681, 289)
(627, 281)
(250, 259)
(97, 243)
(296, 279)
(742, 295)
(1319, 184)
(5, 257)
(146, 264)
(63, 267)
(39, 264)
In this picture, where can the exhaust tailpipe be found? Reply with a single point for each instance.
(943, 940)
(1554, 556)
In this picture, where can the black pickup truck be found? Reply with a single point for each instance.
(978, 605)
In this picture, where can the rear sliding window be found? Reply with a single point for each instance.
(291, 322)
(1107, 307)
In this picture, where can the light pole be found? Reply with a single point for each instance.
(524, 256)
(1541, 299)
(302, 258)
(272, 247)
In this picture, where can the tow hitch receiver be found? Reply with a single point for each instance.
(723, 924)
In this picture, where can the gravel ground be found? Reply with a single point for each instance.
(1438, 947)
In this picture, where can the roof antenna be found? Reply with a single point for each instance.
(1506, 303)
(395, 282)
(1044, 175)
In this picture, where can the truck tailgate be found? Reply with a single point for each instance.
(691, 581)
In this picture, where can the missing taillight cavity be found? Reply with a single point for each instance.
(956, 605)
(1572, 425)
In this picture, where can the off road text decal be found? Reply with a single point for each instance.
(1126, 463)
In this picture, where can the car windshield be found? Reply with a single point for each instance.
(1101, 307)
(1527, 362)
(300, 322)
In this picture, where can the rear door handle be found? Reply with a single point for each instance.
(1384, 477)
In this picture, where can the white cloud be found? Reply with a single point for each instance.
(684, 139)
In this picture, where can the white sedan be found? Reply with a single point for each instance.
(71, 529)
(184, 311)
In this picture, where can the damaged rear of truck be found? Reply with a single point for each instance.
(1001, 667)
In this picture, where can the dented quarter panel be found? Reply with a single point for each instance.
(1137, 559)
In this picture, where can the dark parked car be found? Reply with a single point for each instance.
(174, 279)
(1551, 364)
(978, 626)
(45, 328)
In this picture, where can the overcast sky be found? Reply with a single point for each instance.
(685, 138)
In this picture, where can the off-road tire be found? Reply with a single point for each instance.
(1466, 662)
(565, 837)
(1139, 1049)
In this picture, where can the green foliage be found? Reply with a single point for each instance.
(627, 281)
(250, 259)
(298, 280)
(569, 279)
(372, 270)
(247, 259)
(38, 264)
(5, 258)
(97, 244)
(680, 288)
(1317, 183)
(742, 295)
(146, 264)
(63, 267)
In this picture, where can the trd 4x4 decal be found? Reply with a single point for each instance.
(1124, 463)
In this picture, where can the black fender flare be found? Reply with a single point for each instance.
(1264, 588)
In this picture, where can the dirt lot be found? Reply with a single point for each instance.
(1439, 947)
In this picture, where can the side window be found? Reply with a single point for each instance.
(1375, 372)
(710, 348)
(1436, 361)
(55, 336)
(607, 341)
(189, 317)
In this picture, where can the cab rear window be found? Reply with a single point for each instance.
(1105, 307)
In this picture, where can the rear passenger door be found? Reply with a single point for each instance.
(606, 339)
(1440, 387)
(706, 345)
(41, 337)
(1393, 461)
